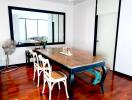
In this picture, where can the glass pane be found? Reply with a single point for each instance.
(22, 35)
(50, 35)
(31, 27)
(18, 28)
(55, 20)
(61, 28)
(43, 28)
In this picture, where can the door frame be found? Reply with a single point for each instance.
(95, 32)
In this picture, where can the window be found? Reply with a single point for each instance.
(30, 28)
(27, 23)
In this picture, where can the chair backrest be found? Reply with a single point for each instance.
(35, 57)
(46, 66)
(41, 62)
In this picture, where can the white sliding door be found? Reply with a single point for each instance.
(106, 34)
(124, 45)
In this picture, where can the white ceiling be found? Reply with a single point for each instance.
(66, 1)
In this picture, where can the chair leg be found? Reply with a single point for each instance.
(59, 85)
(38, 79)
(50, 89)
(44, 85)
(50, 94)
(51, 85)
(66, 88)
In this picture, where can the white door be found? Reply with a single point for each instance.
(124, 44)
(106, 35)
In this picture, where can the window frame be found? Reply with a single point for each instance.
(10, 8)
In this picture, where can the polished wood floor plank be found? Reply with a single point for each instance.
(18, 85)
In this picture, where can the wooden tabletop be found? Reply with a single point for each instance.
(77, 59)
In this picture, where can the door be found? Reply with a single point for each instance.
(123, 62)
(106, 35)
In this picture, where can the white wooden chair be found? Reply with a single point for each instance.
(37, 66)
(52, 77)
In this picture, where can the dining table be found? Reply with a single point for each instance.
(74, 61)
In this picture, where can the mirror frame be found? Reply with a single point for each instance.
(10, 8)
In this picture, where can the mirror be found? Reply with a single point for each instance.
(27, 25)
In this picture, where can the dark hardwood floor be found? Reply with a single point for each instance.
(18, 85)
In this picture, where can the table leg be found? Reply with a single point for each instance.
(27, 56)
(103, 78)
(71, 84)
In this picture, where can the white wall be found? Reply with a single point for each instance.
(19, 55)
(124, 45)
(84, 18)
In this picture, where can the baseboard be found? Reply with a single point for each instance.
(20, 64)
(123, 75)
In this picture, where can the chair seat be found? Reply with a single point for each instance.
(57, 75)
